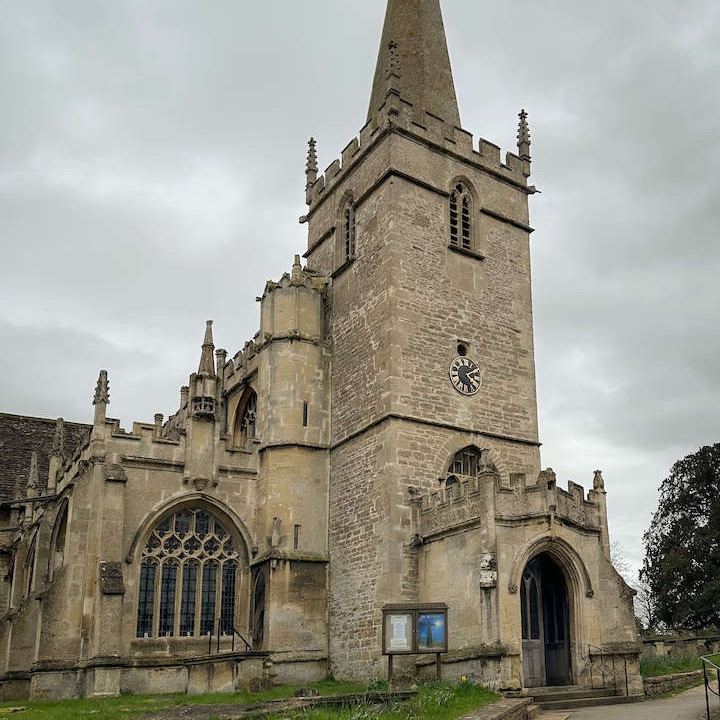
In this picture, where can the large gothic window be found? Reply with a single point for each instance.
(188, 577)
(461, 217)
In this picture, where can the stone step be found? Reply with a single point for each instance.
(569, 693)
(581, 702)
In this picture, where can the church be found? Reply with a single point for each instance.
(368, 462)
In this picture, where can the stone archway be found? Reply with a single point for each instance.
(545, 615)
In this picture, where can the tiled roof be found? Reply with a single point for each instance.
(19, 437)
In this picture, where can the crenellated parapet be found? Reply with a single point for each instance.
(399, 116)
(292, 308)
(545, 499)
(452, 508)
(465, 503)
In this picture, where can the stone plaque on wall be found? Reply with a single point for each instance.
(111, 578)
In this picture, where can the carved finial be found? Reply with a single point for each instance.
(523, 137)
(296, 276)
(102, 390)
(547, 478)
(598, 482)
(311, 168)
(58, 446)
(32, 489)
(207, 360)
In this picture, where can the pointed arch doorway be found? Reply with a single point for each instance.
(544, 607)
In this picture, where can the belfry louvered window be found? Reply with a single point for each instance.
(461, 217)
(188, 577)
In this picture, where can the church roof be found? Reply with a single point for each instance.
(414, 48)
(20, 436)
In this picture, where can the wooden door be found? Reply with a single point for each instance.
(533, 644)
(555, 625)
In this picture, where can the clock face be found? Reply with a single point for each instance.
(465, 375)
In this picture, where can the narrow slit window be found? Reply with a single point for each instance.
(348, 230)
(296, 537)
(305, 414)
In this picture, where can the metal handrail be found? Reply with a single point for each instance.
(248, 646)
(706, 661)
(235, 631)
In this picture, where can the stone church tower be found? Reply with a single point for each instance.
(374, 446)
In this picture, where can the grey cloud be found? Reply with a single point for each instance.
(151, 176)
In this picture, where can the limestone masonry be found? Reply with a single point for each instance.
(363, 475)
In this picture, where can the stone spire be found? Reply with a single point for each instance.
(207, 358)
(413, 45)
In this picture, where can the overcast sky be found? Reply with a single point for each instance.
(152, 173)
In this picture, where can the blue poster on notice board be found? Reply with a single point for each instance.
(431, 635)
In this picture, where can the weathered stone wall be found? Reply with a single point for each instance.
(655, 686)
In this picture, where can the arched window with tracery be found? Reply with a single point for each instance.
(465, 467)
(461, 217)
(189, 577)
(245, 430)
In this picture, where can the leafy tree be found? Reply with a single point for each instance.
(682, 545)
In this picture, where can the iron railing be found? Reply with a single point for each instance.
(223, 630)
(708, 667)
(601, 663)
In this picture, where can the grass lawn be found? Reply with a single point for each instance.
(667, 665)
(134, 706)
(434, 701)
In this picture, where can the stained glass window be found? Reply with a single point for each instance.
(189, 555)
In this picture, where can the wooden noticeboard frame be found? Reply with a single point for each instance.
(414, 629)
